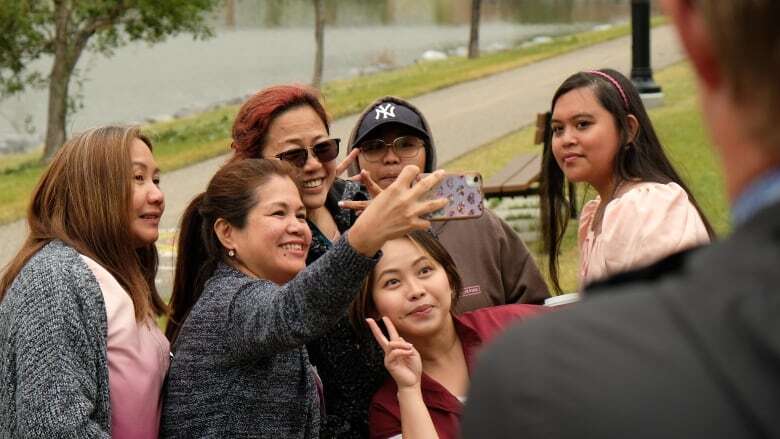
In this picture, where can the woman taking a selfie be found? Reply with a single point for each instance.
(80, 352)
(240, 365)
(289, 122)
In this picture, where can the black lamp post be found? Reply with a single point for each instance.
(641, 72)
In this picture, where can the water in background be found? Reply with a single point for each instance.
(262, 42)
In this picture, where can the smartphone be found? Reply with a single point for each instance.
(464, 192)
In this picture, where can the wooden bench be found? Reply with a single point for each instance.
(518, 178)
(522, 175)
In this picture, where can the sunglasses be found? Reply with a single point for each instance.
(404, 146)
(324, 151)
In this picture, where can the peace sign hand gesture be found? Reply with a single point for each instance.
(402, 360)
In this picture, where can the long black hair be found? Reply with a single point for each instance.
(641, 158)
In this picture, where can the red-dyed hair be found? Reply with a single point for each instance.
(255, 116)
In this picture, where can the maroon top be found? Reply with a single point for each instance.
(474, 329)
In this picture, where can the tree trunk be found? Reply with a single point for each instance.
(58, 83)
(67, 50)
(58, 107)
(230, 14)
(474, 35)
(319, 38)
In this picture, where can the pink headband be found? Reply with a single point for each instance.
(613, 81)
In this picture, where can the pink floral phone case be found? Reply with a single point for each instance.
(464, 192)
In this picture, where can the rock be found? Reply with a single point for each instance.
(535, 41)
(496, 47)
(433, 55)
(542, 39)
(159, 118)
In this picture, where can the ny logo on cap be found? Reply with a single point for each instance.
(386, 110)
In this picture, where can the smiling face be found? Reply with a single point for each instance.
(412, 289)
(274, 241)
(301, 127)
(148, 200)
(585, 138)
(385, 171)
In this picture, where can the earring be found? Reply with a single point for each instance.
(231, 253)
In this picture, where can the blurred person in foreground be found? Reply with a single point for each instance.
(690, 346)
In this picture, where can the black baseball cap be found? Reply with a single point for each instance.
(389, 112)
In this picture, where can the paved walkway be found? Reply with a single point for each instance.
(462, 117)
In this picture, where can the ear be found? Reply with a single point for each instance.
(696, 39)
(633, 127)
(224, 232)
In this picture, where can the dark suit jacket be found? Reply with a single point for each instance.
(688, 347)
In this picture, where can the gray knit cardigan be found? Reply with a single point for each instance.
(53, 366)
(240, 367)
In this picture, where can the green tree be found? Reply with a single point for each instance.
(63, 29)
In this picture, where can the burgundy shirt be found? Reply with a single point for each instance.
(474, 329)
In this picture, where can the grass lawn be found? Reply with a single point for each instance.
(190, 140)
(678, 124)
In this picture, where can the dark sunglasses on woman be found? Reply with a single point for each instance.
(404, 146)
(324, 151)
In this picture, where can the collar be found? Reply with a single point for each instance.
(762, 192)
(434, 394)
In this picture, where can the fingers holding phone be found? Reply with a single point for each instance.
(463, 192)
(396, 211)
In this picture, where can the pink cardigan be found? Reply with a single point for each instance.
(644, 223)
